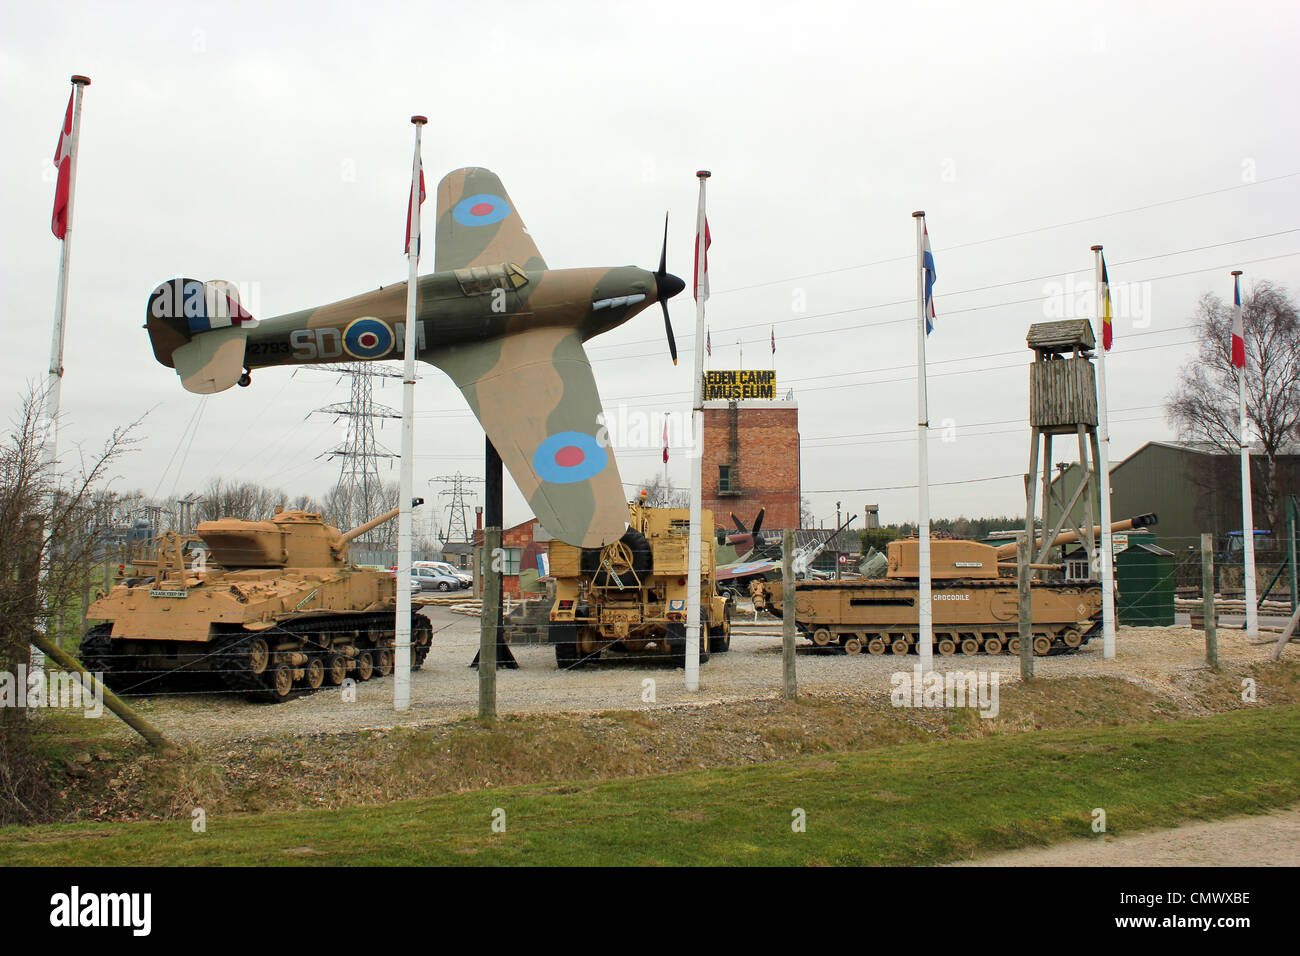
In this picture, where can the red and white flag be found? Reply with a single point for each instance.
(1238, 326)
(665, 438)
(702, 276)
(63, 160)
(410, 206)
(774, 340)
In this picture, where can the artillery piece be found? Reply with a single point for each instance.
(270, 608)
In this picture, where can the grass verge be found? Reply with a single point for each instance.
(904, 804)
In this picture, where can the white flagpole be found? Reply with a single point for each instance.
(54, 378)
(1103, 467)
(406, 482)
(1247, 504)
(924, 601)
(695, 548)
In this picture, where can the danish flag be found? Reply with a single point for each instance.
(63, 160)
(409, 207)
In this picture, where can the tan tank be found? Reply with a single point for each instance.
(975, 598)
(268, 608)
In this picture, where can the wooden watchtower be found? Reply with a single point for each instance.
(1062, 401)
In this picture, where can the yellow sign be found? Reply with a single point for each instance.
(737, 385)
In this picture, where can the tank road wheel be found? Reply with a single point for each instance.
(851, 644)
(1042, 645)
(1013, 645)
(338, 669)
(899, 647)
(876, 646)
(315, 673)
(993, 645)
(258, 655)
(970, 646)
(421, 640)
(365, 665)
(384, 661)
(281, 683)
(947, 646)
(821, 637)
(1072, 637)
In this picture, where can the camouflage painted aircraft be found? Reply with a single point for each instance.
(506, 328)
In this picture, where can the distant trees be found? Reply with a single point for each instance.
(662, 493)
(972, 529)
(1204, 406)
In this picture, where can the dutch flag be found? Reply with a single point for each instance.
(927, 265)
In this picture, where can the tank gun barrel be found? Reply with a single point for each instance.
(1008, 550)
(370, 525)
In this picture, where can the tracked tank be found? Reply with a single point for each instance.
(272, 609)
(975, 599)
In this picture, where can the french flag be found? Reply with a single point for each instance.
(1238, 326)
(927, 266)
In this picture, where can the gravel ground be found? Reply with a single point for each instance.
(1161, 659)
(1272, 839)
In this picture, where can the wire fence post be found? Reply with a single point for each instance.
(489, 622)
(1026, 607)
(787, 617)
(1207, 601)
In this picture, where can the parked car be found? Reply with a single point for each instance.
(442, 567)
(430, 580)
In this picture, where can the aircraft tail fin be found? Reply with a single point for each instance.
(199, 329)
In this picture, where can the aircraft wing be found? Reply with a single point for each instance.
(536, 398)
(746, 569)
(478, 225)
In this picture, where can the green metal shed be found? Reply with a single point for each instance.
(1144, 576)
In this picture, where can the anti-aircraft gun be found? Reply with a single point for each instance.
(270, 608)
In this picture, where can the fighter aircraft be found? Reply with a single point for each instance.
(506, 328)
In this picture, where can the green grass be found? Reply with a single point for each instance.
(907, 804)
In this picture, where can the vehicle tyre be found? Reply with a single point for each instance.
(365, 666)
(970, 646)
(821, 637)
(565, 639)
(947, 647)
(444, 586)
(899, 647)
(280, 685)
(1013, 645)
(993, 645)
(315, 673)
(851, 644)
(1042, 645)
(337, 672)
(876, 646)
(384, 661)
(642, 558)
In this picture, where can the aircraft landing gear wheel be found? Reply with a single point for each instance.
(365, 665)
(1042, 644)
(899, 647)
(875, 646)
(852, 645)
(821, 637)
(970, 646)
(245, 380)
(315, 673)
(993, 645)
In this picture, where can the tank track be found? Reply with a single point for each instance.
(276, 664)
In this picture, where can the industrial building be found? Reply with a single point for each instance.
(751, 460)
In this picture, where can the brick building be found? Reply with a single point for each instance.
(521, 544)
(751, 461)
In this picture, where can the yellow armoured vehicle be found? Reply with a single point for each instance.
(631, 595)
(269, 608)
(975, 597)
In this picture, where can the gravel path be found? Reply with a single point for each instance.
(1271, 839)
(1161, 659)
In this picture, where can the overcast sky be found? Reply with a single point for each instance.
(269, 144)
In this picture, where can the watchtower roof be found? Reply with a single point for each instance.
(1061, 337)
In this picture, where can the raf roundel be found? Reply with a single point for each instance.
(483, 209)
(568, 457)
(367, 339)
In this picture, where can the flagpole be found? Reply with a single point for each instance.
(1103, 467)
(406, 482)
(925, 618)
(54, 377)
(1247, 503)
(697, 468)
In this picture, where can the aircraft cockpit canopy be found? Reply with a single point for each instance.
(483, 280)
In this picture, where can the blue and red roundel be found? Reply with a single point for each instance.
(568, 457)
(483, 209)
(367, 339)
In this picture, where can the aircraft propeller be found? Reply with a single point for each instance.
(668, 285)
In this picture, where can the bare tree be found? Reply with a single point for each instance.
(661, 493)
(1204, 407)
(39, 515)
